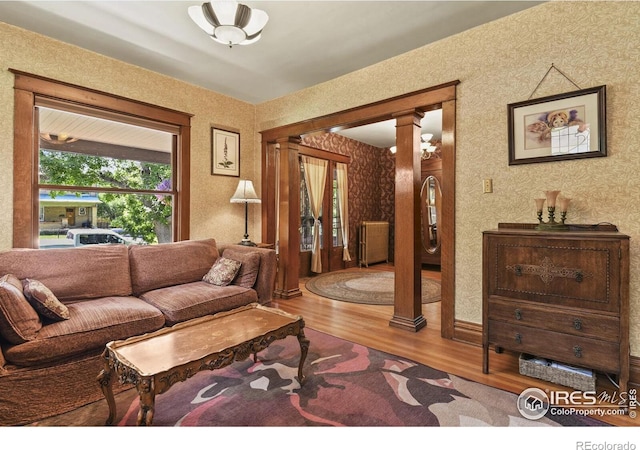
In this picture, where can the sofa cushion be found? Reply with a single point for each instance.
(80, 273)
(44, 301)
(191, 300)
(162, 265)
(249, 269)
(91, 325)
(19, 322)
(223, 271)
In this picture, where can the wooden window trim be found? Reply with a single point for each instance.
(30, 90)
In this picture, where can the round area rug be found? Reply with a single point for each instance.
(373, 287)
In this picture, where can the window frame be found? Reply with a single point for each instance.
(28, 91)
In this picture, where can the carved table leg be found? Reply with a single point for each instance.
(304, 348)
(147, 392)
(106, 383)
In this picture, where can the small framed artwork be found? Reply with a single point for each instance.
(82, 211)
(559, 127)
(225, 152)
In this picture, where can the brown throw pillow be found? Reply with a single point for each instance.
(44, 301)
(222, 272)
(19, 322)
(248, 273)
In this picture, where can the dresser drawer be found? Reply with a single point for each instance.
(576, 350)
(568, 321)
(563, 272)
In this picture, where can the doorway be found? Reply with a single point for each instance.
(278, 181)
(329, 225)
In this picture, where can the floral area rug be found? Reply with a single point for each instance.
(373, 287)
(347, 385)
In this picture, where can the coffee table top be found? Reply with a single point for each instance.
(162, 350)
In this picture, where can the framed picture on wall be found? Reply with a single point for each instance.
(225, 152)
(559, 127)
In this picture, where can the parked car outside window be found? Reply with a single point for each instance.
(93, 236)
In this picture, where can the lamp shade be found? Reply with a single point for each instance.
(245, 193)
(229, 22)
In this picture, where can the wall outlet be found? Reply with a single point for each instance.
(487, 186)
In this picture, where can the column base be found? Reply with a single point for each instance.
(408, 324)
(278, 293)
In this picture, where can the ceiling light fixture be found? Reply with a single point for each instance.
(425, 145)
(62, 138)
(229, 22)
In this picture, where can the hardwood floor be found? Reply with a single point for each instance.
(369, 325)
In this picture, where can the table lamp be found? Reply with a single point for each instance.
(245, 193)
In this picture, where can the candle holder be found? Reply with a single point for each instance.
(551, 224)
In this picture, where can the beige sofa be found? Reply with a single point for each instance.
(110, 292)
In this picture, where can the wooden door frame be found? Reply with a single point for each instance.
(437, 97)
(327, 243)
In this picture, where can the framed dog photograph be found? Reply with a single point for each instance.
(225, 152)
(558, 127)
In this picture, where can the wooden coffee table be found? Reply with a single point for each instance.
(156, 361)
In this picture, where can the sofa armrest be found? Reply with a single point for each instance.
(3, 362)
(266, 281)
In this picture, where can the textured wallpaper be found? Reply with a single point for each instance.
(211, 213)
(594, 43)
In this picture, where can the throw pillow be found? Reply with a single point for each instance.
(248, 273)
(223, 271)
(19, 322)
(44, 301)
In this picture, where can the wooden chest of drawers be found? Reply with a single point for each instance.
(560, 295)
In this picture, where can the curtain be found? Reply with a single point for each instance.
(315, 173)
(343, 205)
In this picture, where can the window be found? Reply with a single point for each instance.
(306, 216)
(103, 173)
(336, 227)
(163, 173)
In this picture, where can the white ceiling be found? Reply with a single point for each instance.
(303, 44)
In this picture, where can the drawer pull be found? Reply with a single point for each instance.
(518, 338)
(577, 351)
(579, 277)
(518, 270)
(577, 324)
(518, 314)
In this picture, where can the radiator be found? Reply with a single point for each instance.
(374, 242)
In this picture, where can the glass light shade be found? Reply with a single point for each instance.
(393, 150)
(563, 203)
(257, 22)
(197, 15)
(229, 22)
(426, 137)
(245, 193)
(251, 40)
(551, 198)
(225, 11)
(227, 34)
(540, 203)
